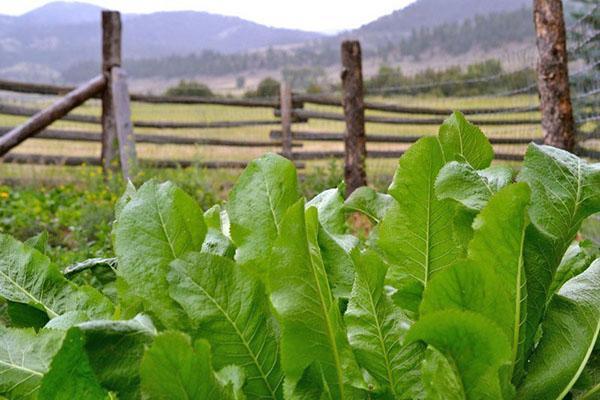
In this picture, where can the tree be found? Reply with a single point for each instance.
(240, 82)
(268, 87)
(190, 88)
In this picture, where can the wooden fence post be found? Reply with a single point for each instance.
(111, 57)
(355, 152)
(285, 105)
(123, 126)
(553, 75)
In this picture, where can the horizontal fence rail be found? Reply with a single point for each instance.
(39, 159)
(306, 114)
(56, 90)
(88, 136)
(321, 155)
(338, 137)
(91, 119)
(394, 108)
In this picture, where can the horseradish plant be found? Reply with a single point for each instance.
(469, 286)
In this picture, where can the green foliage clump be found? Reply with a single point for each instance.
(477, 79)
(76, 221)
(470, 285)
(268, 87)
(190, 88)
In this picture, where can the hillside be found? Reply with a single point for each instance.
(429, 13)
(61, 34)
(187, 44)
(426, 14)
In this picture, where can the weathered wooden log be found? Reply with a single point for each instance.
(307, 114)
(27, 112)
(111, 57)
(34, 88)
(58, 90)
(47, 116)
(89, 136)
(338, 137)
(355, 149)
(224, 101)
(122, 115)
(40, 159)
(285, 100)
(374, 154)
(394, 108)
(202, 125)
(553, 74)
(8, 109)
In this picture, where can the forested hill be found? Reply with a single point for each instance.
(431, 13)
(60, 41)
(481, 32)
(61, 34)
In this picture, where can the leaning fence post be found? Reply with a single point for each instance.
(285, 105)
(355, 152)
(111, 57)
(123, 125)
(553, 74)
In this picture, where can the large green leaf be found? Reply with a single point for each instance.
(441, 380)
(462, 141)
(474, 344)
(565, 190)
(570, 331)
(305, 307)
(24, 359)
(330, 208)
(587, 386)
(25, 316)
(29, 277)
(229, 308)
(369, 202)
(173, 369)
(376, 327)
(419, 234)
(578, 257)
(492, 280)
(472, 188)
(115, 350)
(416, 233)
(334, 241)
(310, 386)
(257, 203)
(159, 224)
(70, 375)
(39, 242)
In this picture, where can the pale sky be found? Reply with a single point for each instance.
(315, 15)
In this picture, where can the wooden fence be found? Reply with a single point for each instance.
(118, 138)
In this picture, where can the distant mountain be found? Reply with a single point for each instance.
(428, 14)
(61, 13)
(61, 34)
(65, 37)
